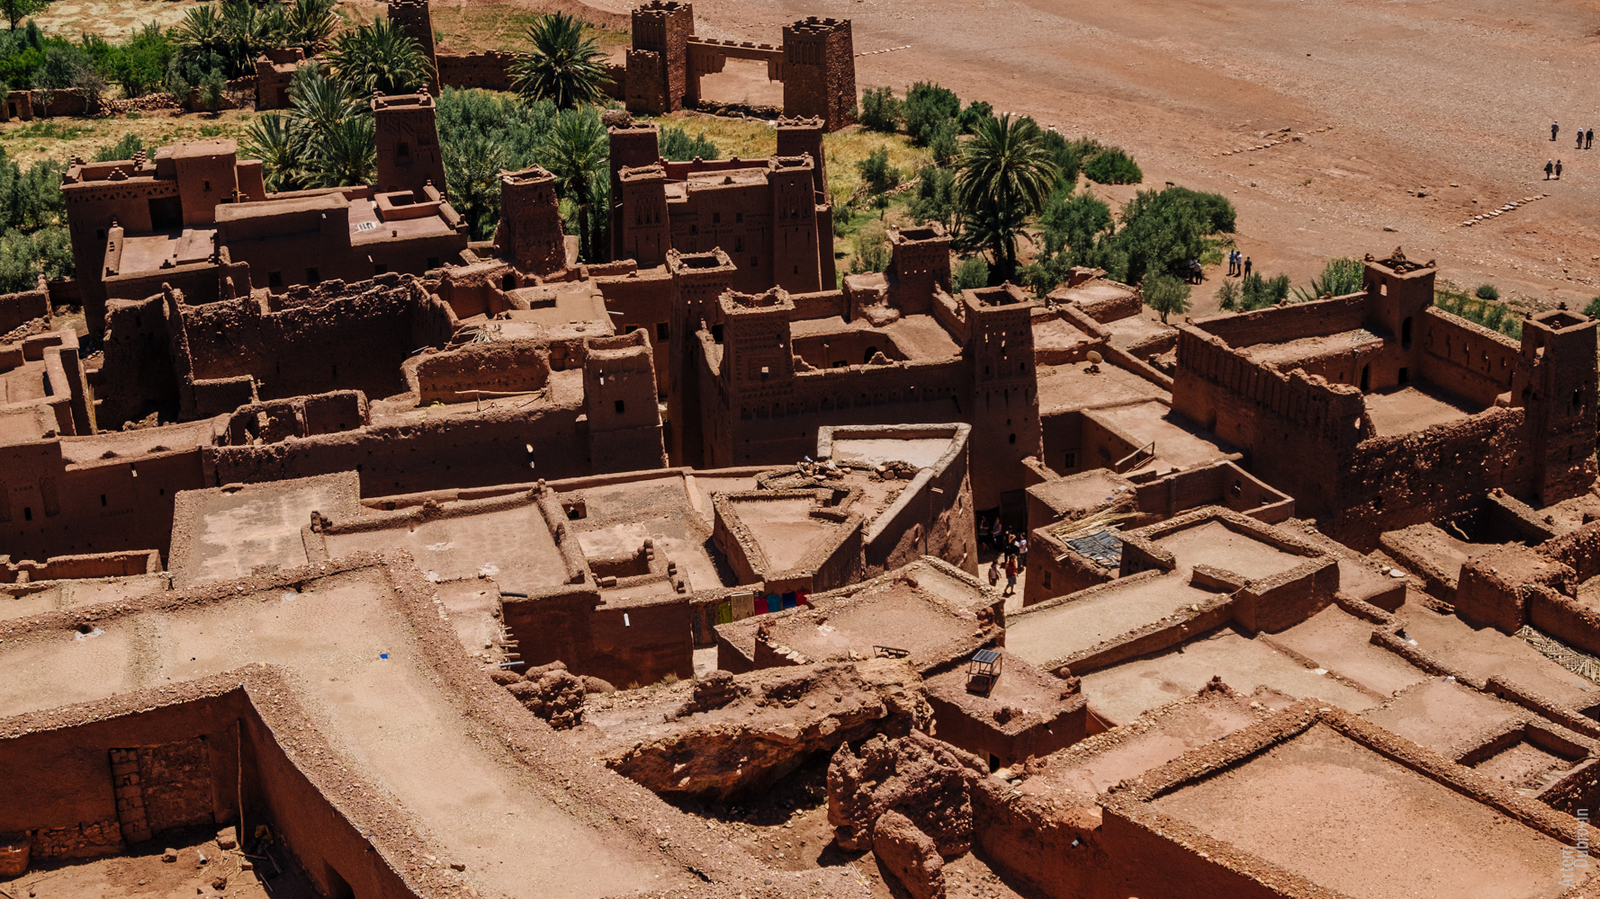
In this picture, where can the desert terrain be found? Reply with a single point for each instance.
(1434, 113)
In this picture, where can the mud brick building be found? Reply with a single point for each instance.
(816, 64)
(1378, 410)
(773, 218)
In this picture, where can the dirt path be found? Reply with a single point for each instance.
(1417, 95)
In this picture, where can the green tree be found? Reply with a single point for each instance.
(345, 154)
(936, 199)
(1166, 295)
(380, 57)
(273, 139)
(576, 152)
(142, 62)
(1113, 166)
(1340, 277)
(876, 171)
(17, 10)
(678, 146)
(1228, 294)
(565, 67)
(309, 24)
(880, 111)
(872, 248)
(472, 166)
(927, 108)
(971, 273)
(125, 148)
(213, 90)
(1004, 178)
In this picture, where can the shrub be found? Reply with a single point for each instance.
(976, 111)
(927, 108)
(1166, 295)
(971, 273)
(678, 146)
(872, 248)
(1593, 309)
(1339, 277)
(1487, 292)
(1113, 166)
(880, 111)
(1228, 294)
(876, 171)
(1163, 230)
(935, 199)
(124, 148)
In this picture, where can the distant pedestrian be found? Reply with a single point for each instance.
(1022, 549)
(1011, 576)
(1588, 139)
(1549, 166)
(994, 572)
(1247, 266)
(1233, 262)
(1555, 128)
(1558, 170)
(1580, 140)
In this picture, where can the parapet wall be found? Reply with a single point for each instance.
(17, 309)
(483, 371)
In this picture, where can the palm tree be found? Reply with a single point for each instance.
(576, 152)
(380, 57)
(1005, 175)
(565, 67)
(281, 147)
(345, 153)
(320, 104)
(472, 166)
(200, 33)
(309, 24)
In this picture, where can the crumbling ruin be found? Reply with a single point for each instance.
(387, 557)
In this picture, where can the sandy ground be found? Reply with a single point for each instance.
(1454, 99)
(141, 874)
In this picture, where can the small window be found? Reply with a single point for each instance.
(207, 187)
(102, 499)
(716, 333)
(100, 234)
(508, 281)
(313, 276)
(716, 218)
(402, 150)
(275, 280)
(1071, 461)
(620, 406)
(738, 218)
(663, 332)
(754, 261)
(1013, 440)
(433, 262)
(1046, 578)
(27, 513)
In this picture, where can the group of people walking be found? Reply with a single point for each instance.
(1011, 552)
(1585, 141)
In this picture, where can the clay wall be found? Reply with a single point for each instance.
(1578, 549)
(1388, 483)
(1058, 853)
(20, 308)
(489, 70)
(104, 506)
(176, 766)
(1223, 484)
(326, 413)
(328, 337)
(819, 71)
(1281, 324)
(643, 301)
(483, 370)
(931, 517)
(1467, 359)
(82, 567)
(623, 643)
(1147, 862)
(416, 456)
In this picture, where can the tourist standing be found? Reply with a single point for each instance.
(1555, 128)
(1549, 166)
(1011, 576)
(1588, 139)
(1247, 266)
(994, 572)
(1558, 170)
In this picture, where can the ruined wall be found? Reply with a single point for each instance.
(489, 70)
(1147, 862)
(1281, 324)
(137, 375)
(482, 370)
(325, 413)
(1387, 483)
(623, 643)
(82, 791)
(317, 339)
(51, 509)
(20, 308)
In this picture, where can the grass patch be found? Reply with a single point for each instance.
(474, 28)
(62, 139)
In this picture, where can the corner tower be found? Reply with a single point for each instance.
(407, 138)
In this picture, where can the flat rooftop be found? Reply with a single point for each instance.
(1287, 354)
(1350, 819)
(1069, 388)
(1178, 442)
(1092, 489)
(376, 699)
(784, 528)
(1126, 691)
(149, 252)
(1214, 543)
(512, 546)
(1411, 409)
(917, 337)
(223, 533)
(889, 613)
(1444, 716)
(923, 452)
(1137, 329)
(1047, 634)
(1340, 642)
(1058, 334)
(1483, 653)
